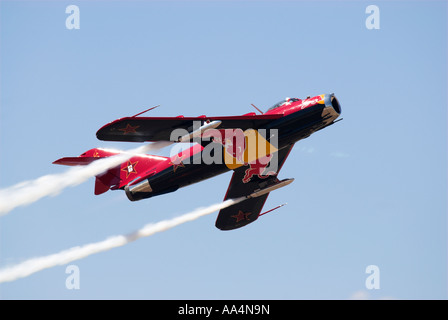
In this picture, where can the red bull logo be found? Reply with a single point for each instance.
(248, 148)
(237, 148)
(258, 168)
(312, 101)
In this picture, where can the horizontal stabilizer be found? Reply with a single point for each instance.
(75, 161)
(119, 176)
(86, 158)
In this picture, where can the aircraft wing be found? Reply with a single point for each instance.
(139, 129)
(247, 211)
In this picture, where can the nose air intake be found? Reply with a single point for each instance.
(332, 101)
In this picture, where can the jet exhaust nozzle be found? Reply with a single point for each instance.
(141, 187)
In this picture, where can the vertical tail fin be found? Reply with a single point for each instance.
(116, 177)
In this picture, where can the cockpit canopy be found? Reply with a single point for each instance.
(281, 103)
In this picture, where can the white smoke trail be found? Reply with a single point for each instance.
(31, 266)
(28, 192)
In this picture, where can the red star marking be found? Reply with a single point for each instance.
(129, 129)
(177, 163)
(241, 216)
(130, 168)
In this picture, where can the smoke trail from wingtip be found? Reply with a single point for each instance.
(27, 192)
(34, 265)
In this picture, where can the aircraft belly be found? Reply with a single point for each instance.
(186, 175)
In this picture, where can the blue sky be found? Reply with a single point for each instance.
(370, 190)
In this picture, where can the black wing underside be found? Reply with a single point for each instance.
(139, 129)
(247, 211)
